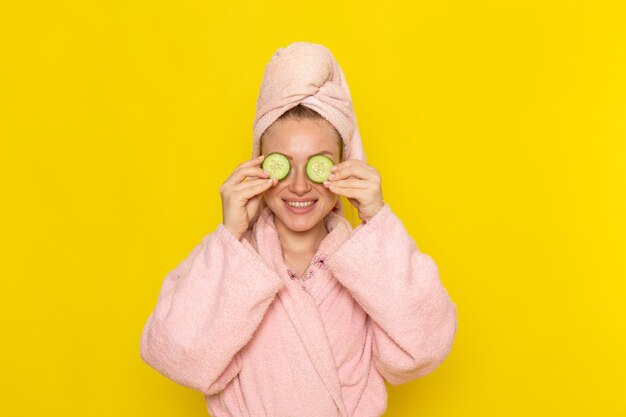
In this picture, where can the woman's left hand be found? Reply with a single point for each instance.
(361, 184)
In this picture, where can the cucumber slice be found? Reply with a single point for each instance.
(277, 165)
(318, 168)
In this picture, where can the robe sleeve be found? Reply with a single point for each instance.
(207, 310)
(413, 319)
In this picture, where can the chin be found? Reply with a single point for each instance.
(299, 228)
(298, 222)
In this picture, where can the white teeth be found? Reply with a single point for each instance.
(297, 204)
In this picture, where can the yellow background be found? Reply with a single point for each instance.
(498, 127)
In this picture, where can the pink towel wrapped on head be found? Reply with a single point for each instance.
(234, 322)
(307, 73)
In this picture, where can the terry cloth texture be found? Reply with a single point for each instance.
(232, 321)
(307, 73)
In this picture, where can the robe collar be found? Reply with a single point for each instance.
(269, 246)
(300, 305)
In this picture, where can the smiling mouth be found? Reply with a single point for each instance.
(300, 204)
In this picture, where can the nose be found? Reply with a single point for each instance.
(301, 183)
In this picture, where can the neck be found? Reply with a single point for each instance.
(306, 242)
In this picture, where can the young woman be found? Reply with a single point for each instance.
(285, 310)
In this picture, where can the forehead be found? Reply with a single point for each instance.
(301, 137)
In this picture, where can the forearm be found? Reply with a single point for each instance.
(208, 308)
(414, 319)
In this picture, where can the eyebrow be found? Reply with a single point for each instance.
(319, 153)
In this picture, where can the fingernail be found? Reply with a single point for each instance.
(334, 168)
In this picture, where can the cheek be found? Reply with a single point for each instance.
(329, 195)
(268, 193)
(271, 193)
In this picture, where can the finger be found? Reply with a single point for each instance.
(250, 184)
(246, 172)
(349, 162)
(354, 170)
(253, 173)
(249, 189)
(351, 183)
(250, 163)
(346, 192)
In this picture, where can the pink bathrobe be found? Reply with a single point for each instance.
(235, 323)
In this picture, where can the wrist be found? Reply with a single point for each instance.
(374, 212)
(234, 234)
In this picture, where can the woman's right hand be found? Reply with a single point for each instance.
(241, 195)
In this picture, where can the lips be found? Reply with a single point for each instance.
(299, 204)
(300, 210)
